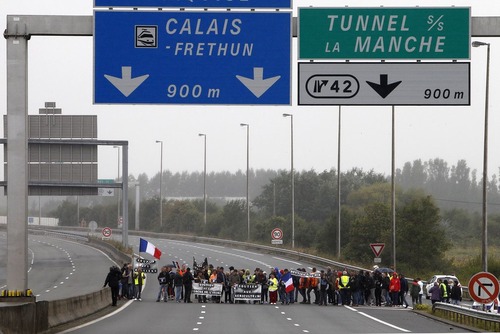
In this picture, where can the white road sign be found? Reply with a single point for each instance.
(105, 192)
(416, 83)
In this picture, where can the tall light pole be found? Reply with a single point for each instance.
(204, 135)
(484, 243)
(248, 171)
(118, 192)
(293, 178)
(161, 181)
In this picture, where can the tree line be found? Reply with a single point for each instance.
(436, 206)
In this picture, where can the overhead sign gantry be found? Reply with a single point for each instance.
(196, 3)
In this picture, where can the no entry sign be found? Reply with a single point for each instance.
(106, 232)
(484, 287)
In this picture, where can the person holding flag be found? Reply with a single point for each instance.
(288, 287)
(147, 247)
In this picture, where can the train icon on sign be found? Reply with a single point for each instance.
(146, 36)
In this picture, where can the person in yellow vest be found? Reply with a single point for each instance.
(345, 288)
(139, 279)
(443, 285)
(273, 289)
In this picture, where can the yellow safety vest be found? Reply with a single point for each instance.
(274, 285)
(136, 278)
(344, 280)
(445, 290)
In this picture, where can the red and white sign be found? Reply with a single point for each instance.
(377, 248)
(106, 232)
(277, 234)
(484, 287)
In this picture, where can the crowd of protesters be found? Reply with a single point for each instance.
(323, 287)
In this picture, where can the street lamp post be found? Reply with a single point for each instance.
(204, 135)
(161, 181)
(248, 170)
(484, 243)
(293, 178)
(118, 195)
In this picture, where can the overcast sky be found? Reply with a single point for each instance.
(61, 70)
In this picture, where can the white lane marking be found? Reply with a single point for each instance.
(281, 259)
(384, 323)
(127, 304)
(243, 251)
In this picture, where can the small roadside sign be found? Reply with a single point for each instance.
(377, 249)
(277, 234)
(106, 232)
(484, 287)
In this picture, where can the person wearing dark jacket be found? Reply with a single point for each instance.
(187, 281)
(163, 280)
(113, 280)
(456, 293)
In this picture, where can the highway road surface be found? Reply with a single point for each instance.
(59, 268)
(149, 316)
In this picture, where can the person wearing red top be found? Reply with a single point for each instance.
(394, 288)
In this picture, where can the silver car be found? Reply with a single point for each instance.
(450, 278)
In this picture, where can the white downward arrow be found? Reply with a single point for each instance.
(126, 84)
(258, 85)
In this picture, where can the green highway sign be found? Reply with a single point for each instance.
(384, 33)
(105, 181)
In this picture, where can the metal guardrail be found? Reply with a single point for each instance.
(319, 261)
(58, 234)
(480, 319)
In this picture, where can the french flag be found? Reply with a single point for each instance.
(147, 247)
(287, 279)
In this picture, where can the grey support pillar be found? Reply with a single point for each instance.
(125, 195)
(17, 154)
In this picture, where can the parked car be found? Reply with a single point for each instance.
(450, 278)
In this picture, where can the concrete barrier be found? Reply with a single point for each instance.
(65, 310)
(26, 318)
(38, 317)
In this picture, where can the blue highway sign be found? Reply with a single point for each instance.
(143, 57)
(196, 3)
